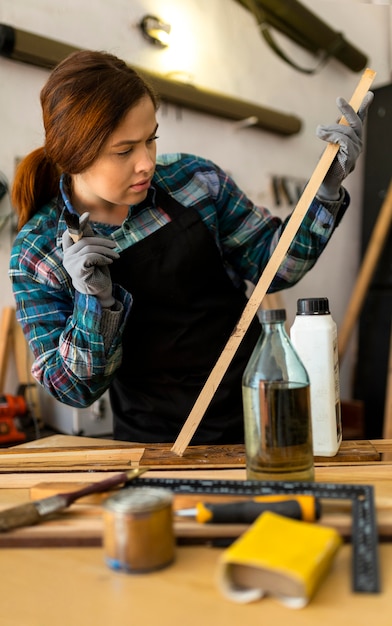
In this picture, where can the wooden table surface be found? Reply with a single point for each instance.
(69, 585)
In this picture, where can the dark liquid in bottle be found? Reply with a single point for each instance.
(278, 433)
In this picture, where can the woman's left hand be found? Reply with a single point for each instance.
(350, 140)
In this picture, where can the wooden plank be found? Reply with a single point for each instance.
(59, 459)
(382, 445)
(81, 524)
(387, 427)
(373, 252)
(260, 290)
(111, 458)
(106, 458)
(6, 331)
(75, 441)
(23, 361)
(234, 455)
(26, 481)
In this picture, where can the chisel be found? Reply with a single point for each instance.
(307, 508)
(77, 225)
(35, 512)
(74, 226)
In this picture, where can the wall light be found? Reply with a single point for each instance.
(156, 31)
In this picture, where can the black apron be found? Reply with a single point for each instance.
(184, 309)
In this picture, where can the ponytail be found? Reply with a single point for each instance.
(36, 182)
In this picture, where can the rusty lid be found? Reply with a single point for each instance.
(139, 500)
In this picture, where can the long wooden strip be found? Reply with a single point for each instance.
(23, 362)
(387, 428)
(6, 329)
(265, 280)
(83, 526)
(135, 450)
(71, 460)
(373, 252)
(82, 523)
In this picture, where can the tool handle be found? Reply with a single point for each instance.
(97, 487)
(310, 505)
(103, 485)
(248, 511)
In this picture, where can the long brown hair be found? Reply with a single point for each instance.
(83, 101)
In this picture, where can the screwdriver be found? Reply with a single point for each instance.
(301, 507)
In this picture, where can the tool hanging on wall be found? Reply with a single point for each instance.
(254, 302)
(286, 190)
(306, 29)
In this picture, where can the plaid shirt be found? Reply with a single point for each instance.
(63, 326)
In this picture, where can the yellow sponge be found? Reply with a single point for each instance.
(280, 556)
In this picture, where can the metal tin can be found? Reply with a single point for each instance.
(138, 529)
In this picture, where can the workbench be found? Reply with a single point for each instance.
(54, 574)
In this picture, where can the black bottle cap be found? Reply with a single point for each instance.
(273, 315)
(313, 306)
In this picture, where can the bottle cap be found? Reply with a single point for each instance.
(313, 306)
(273, 315)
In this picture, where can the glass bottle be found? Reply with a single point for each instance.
(276, 402)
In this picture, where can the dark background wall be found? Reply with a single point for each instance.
(375, 320)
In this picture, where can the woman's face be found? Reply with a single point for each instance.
(122, 173)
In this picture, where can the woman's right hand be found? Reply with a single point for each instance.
(87, 264)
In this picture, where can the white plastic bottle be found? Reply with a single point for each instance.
(314, 336)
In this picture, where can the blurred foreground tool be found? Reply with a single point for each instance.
(34, 512)
(307, 508)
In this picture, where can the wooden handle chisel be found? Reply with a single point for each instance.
(35, 512)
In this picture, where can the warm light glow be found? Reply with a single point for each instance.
(179, 60)
(155, 30)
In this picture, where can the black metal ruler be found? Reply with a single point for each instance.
(364, 535)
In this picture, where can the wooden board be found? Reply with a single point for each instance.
(81, 523)
(72, 459)
(109, 458)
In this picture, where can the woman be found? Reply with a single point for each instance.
(145, 301)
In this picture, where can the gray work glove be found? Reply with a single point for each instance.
(350, 142)
(87, 260)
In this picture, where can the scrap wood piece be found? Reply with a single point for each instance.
(13, 480)
(73, 441)
(57, 459)
(160, 455)
(106, 458)
(233, 455)
(387, 429)
(387, 426)
(12, 341)
(6, 331)
(260, 290)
